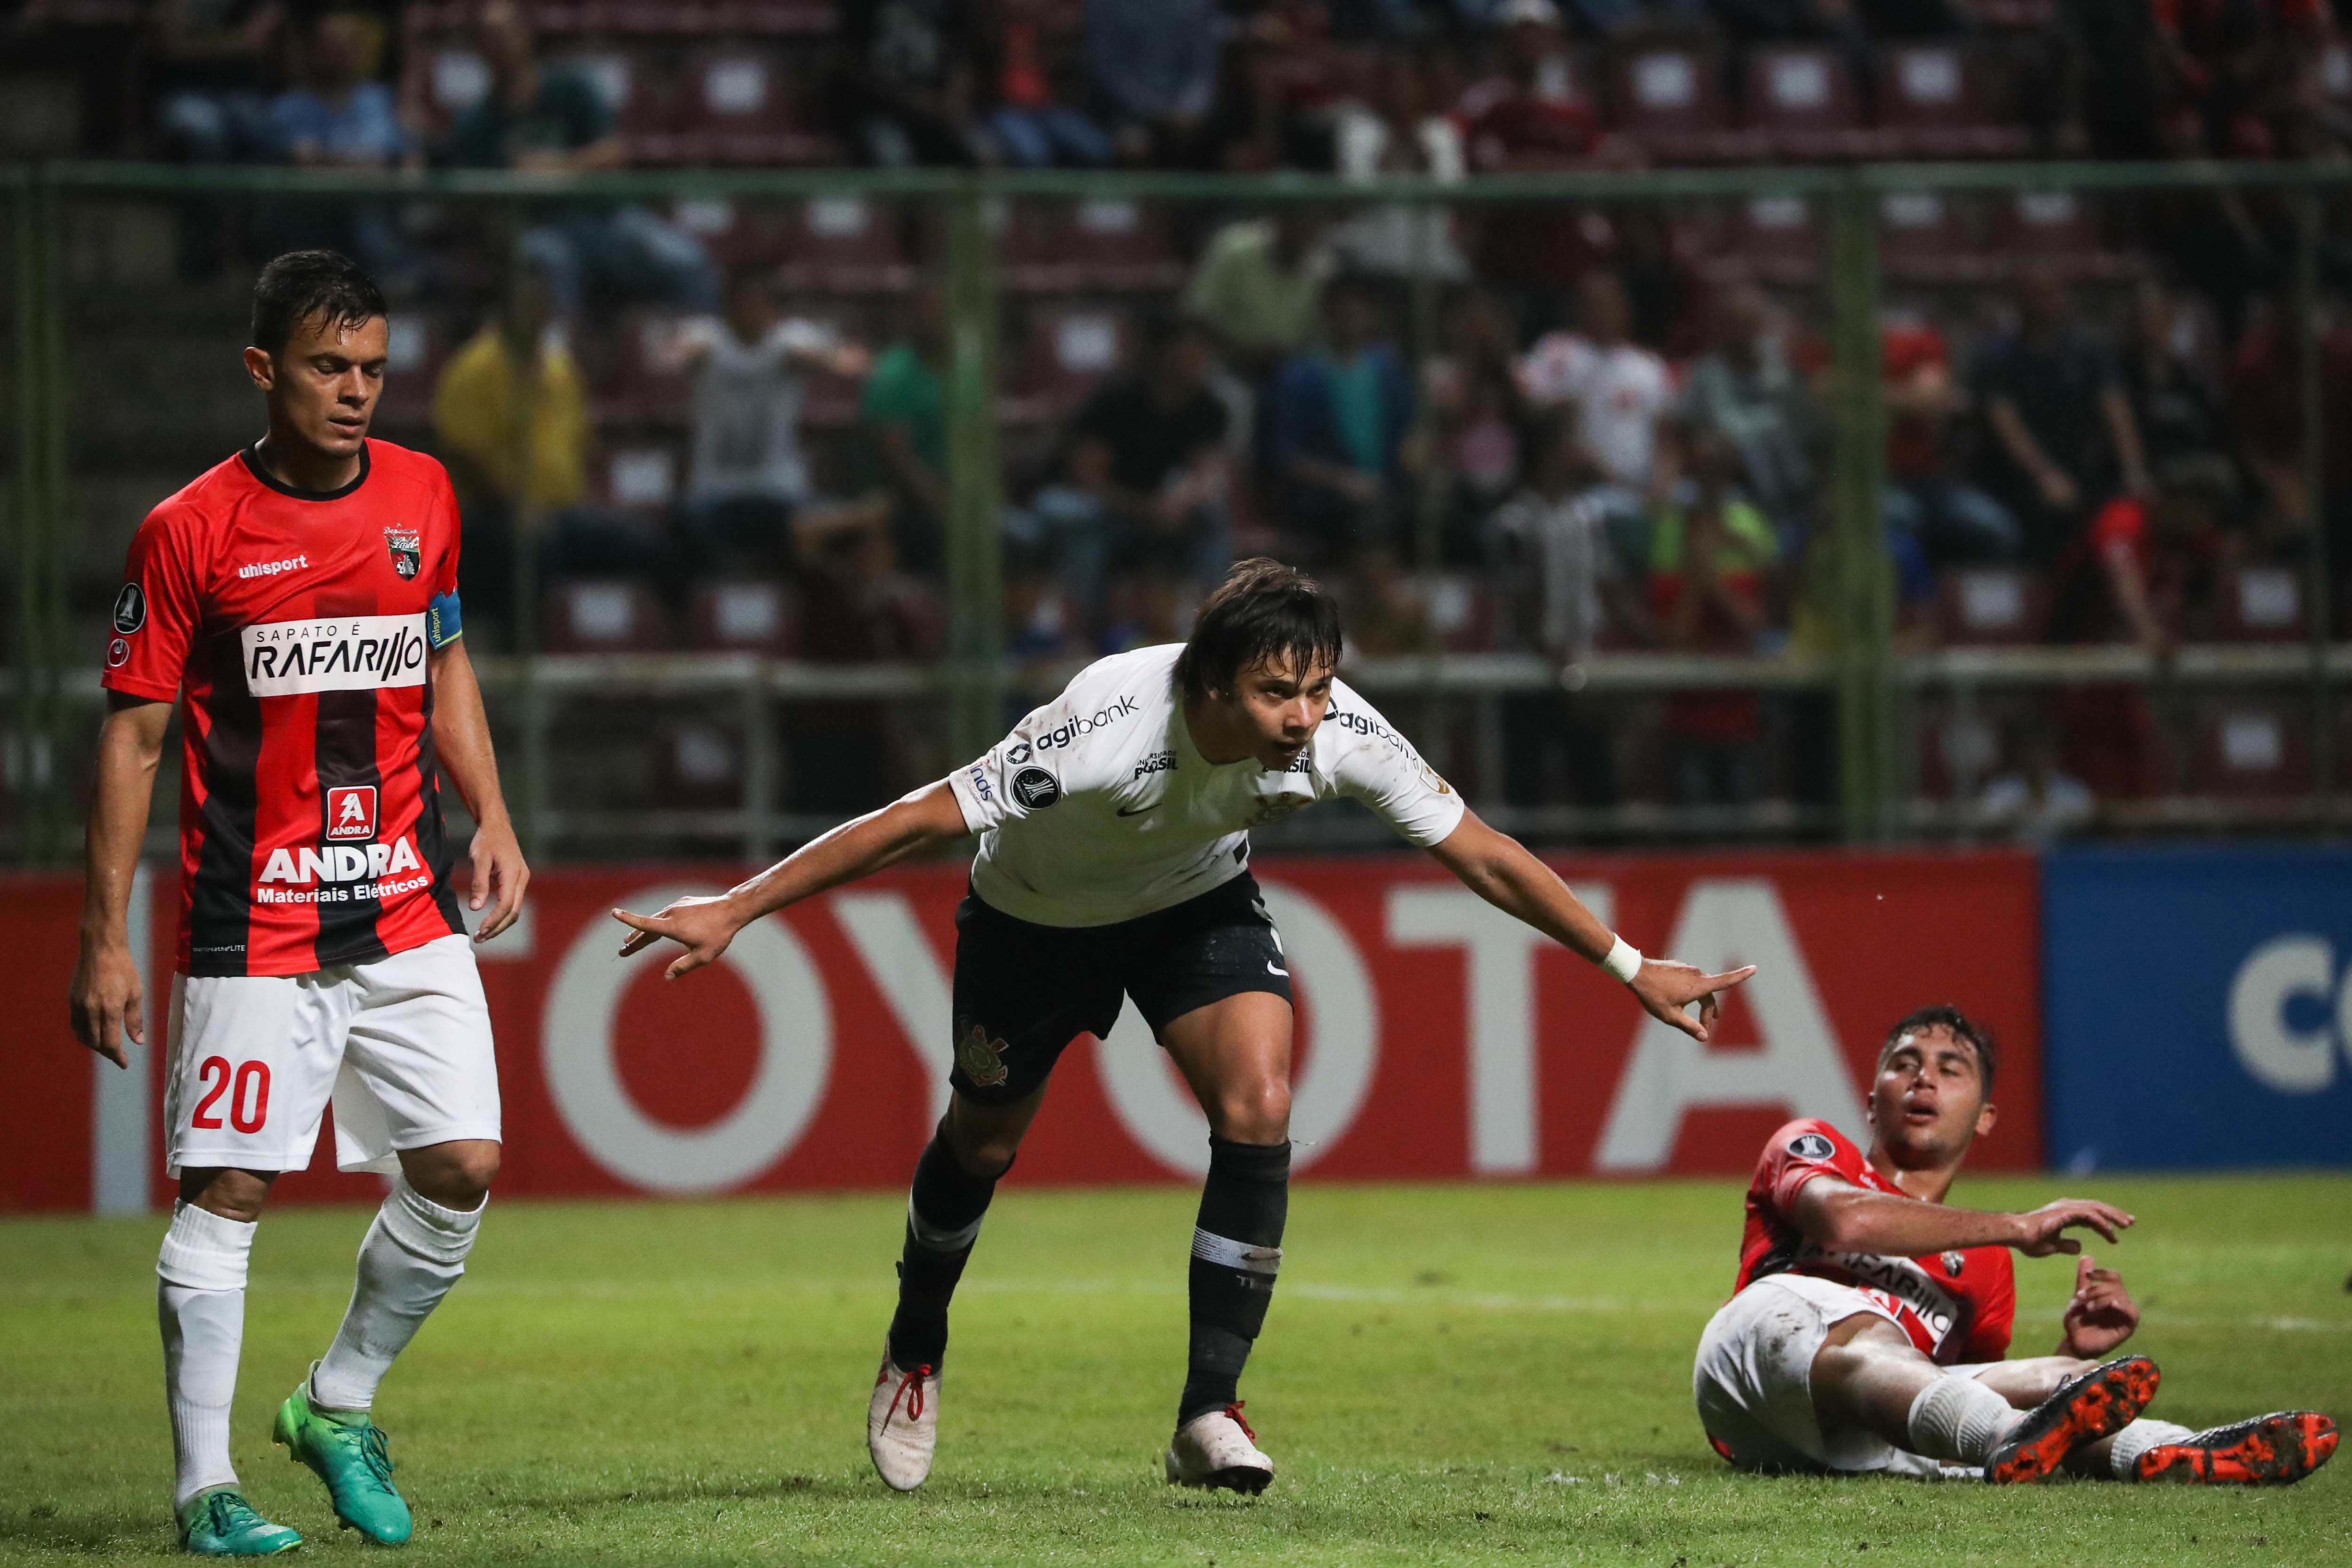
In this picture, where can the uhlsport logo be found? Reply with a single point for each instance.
(351, 812)
(349, 653)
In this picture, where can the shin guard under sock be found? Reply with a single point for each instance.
(412, 1256)
(200, 1306)
(1236, 1252)
(944, 1208)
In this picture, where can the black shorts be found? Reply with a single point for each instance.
(1023, 991)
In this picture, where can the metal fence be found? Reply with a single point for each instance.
(1451, 701)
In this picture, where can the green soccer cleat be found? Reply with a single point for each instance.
(347, 1451)
(221, 1523)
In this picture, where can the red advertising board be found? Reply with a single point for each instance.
(1438, 1038)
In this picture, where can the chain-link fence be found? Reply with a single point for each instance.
(1835, 502)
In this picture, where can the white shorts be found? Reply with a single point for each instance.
(402, 1046)
(1754, 1378)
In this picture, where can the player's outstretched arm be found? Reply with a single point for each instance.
(105, 1002)
(1501, 870)
(704, 926)
(1845, 1218)
(2100, 1316)
(461, 736)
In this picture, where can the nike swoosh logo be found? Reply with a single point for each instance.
(1270, 969)
(1138, 810)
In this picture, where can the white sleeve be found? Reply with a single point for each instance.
(1011, 778)
(1376, 765)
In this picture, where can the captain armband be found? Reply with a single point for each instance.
(443, 622)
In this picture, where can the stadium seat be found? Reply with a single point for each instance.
(1461, 610)
(592, 615)
(447, 78)
(698, 765)
(743, 107)
(1931, 102)
(1801, 99)
(1667, 98)
(1988, 605)
(1108, 245)
(741, 615)
(1924, 238)
(641, 87)
(845, 245)
(737, 233)
(1071, 345)
(2062, 229)
(2252, 748)
(628, 378)
(644, 478)
(2262, 603)
(1772, 240)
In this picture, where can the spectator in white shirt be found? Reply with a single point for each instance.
(749, 488)
(1619, 389)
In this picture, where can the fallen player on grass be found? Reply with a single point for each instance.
(1871, 1321)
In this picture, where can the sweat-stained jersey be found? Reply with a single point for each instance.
(294, 628)
(1099, 808)
(1955, 1306)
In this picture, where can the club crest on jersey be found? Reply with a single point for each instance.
(408, 547)
(351, 812)
(1810, 1146)
(1953, 1263)
(982, 1059)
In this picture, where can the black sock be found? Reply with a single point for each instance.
(943, 1211)
(1236, 1249)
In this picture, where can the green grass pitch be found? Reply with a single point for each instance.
(1449, 1374)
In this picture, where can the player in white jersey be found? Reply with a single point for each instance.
(1114, 862)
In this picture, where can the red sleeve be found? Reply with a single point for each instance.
(1799, 1153)
(156, 613)
(1996, 1313)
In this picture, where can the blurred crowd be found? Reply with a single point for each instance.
(1557, 429)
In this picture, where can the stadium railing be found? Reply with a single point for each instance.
(1874, 693)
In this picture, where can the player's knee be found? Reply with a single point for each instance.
(1255, 1113)
(230, 1194)
(454, 1175)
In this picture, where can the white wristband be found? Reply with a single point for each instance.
(1624, 961)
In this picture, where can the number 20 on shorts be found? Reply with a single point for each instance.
(248, 1101)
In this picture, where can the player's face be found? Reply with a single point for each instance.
(322, 386)
(1279, 704)
(1929, 1102)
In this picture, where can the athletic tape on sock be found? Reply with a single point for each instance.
(203, 1251)
(2138, 1438)
(939, 1238)
(1225, 1251)
(1959, 1418)
(423, 1227)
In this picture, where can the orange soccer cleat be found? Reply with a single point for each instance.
(2095, 1404)
(2274, 1450)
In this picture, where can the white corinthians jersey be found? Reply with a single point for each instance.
(1099, 808)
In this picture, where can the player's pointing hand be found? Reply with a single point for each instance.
(701, 924)
(2042, 1231)
(1666, 988)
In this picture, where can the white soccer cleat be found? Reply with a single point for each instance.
(1218, 1450)
(902, 1424)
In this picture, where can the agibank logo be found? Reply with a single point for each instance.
(351, 812)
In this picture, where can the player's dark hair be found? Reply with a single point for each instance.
(310, 286)
(1944, 1015)
(1263, 612)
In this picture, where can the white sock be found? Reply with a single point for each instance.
(2138, 1438)
(414, 1252)
(200, 1306)
(1959, 1419)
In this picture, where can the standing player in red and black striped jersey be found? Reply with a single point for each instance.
(299, 603)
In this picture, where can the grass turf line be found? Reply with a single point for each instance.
(1449, 1374)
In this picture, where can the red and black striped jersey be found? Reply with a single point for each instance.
(1957, 1306)
(295, 628)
